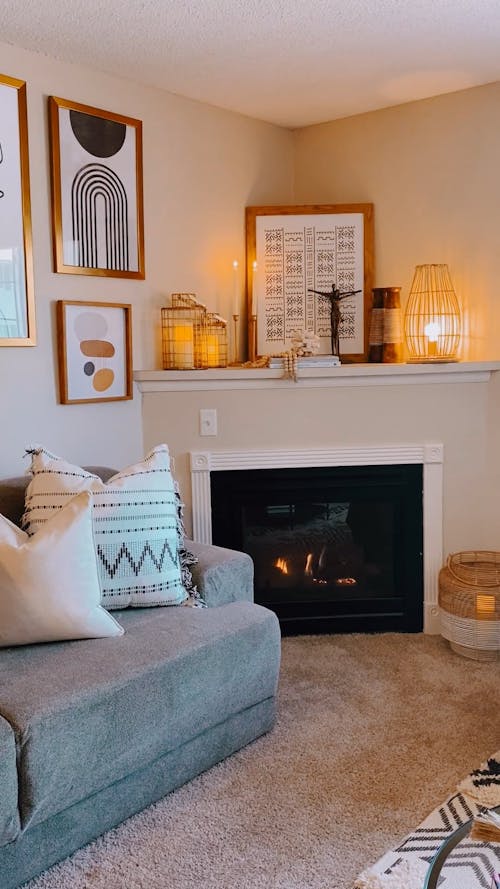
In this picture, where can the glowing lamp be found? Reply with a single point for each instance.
(432, 322)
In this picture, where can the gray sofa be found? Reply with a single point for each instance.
(93, 731)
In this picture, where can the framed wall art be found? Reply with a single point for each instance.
(94, 343)
(97, 199)
(293, 250)
(17, 305)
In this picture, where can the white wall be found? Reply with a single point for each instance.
(431, 170)
(201, 167)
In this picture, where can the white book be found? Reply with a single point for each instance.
(309, 361)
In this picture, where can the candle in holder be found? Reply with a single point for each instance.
(212, 350)
(183, 345)
(236, 288)
(253, 299)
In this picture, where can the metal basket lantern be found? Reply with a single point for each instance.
(214, 341)
(192, 338)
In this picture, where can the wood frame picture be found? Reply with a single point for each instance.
(97, 193)
(293, 249)
(17, 301)
(94, 341)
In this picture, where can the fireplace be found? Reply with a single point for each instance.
(389, 583)
(335, 549)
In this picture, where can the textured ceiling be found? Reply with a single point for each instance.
(290, 62)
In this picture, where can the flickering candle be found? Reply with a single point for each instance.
(236, 288)
(212, 350)
(184, 345)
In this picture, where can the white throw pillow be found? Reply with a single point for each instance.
(135, 524)
(49, 585)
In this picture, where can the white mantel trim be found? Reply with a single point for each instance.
(314, 378)
(430, 455)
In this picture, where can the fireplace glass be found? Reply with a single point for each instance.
(334, 549)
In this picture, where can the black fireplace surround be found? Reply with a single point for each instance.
(336, 549)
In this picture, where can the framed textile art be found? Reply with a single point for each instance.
(292, 250)
(97, 199)
(17, 306)
(94, 342)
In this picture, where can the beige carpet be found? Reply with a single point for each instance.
(373, 733)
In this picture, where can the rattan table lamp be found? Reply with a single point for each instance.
(432, 322)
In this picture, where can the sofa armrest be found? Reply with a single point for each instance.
(221, 575)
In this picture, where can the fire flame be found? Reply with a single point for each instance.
(309, 567)
(282, 565)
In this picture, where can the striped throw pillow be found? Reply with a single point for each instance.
(135, 521)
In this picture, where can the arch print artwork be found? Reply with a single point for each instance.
(97, 202)
(94, 351)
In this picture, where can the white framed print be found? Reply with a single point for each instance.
(94, 341)
(17, 304)
(97, 195)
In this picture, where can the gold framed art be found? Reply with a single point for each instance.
(17, 301)
(292, 250)
(97, 193)
(94, 341)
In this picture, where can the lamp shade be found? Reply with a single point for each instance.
(432, 322)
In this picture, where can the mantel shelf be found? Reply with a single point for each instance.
(345, 375)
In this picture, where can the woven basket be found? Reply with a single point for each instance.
(469, 601)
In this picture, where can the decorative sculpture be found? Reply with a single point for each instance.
(335, 296)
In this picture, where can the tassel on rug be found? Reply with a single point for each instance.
(486, 827)
(406, 874)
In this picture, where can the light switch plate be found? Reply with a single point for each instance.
(208, 421)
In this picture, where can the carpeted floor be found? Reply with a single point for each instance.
(373, 732)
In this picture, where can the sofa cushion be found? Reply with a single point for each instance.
(136, 524)
(49, 585)
(9, 815)
(87, 714)
(221, 575)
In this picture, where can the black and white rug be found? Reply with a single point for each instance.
(471, 865)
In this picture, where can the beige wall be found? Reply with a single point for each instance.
(431, 170)
(458, 415)
(201, 167)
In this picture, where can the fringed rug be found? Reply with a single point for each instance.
(471, 865)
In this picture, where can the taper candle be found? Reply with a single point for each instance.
(236, 288)
(253, 299)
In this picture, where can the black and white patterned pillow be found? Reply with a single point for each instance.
(135, 519)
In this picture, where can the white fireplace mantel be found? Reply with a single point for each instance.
(430, 455)
(309, 378)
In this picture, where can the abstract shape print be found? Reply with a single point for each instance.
(96, 191)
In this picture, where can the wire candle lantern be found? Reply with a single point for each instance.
(192, 337)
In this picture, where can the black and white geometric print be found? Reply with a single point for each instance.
(469, 865)
(483, 784)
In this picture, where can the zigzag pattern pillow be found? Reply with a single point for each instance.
(135, 524)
